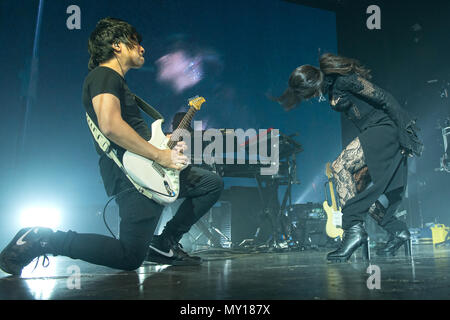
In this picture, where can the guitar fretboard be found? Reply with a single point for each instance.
(184, 124)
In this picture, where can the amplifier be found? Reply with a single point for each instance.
(306, 211)
(308, 222)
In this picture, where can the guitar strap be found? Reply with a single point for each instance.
(105, 144)
(148, 109)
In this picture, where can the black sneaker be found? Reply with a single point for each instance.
(28, 244)
(163, 251)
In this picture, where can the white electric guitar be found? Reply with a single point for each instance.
(163, 183)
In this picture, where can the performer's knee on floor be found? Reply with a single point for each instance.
(132, 265)
(133, 261)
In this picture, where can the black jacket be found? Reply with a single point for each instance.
(380, 104)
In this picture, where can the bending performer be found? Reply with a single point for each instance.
(387, 136)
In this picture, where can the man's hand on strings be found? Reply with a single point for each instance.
(181, 147)
(173, 158)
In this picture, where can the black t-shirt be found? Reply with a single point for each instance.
(106, 80)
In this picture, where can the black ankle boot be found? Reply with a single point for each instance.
(353, 238)
(395, 241)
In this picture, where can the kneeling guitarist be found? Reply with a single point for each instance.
(115, 48)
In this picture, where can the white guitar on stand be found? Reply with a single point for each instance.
(163, 183)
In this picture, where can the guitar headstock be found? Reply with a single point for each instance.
(196, 102)
(328, 171)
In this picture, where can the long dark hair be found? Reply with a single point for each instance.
(307, 81)
(334, 64)
(107, 32)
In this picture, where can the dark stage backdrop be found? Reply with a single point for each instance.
(239, 51)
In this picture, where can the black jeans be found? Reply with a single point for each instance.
(139, 217)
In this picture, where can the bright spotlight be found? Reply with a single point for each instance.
(40, 217)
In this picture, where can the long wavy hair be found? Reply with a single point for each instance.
(306, 81)
(107, 32)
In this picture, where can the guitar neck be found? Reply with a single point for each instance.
(184, 125)
(333, 198)
(329, 173)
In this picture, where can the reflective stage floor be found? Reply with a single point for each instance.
(228, 275)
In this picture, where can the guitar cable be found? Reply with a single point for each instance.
(106, 205)
(114, 197)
